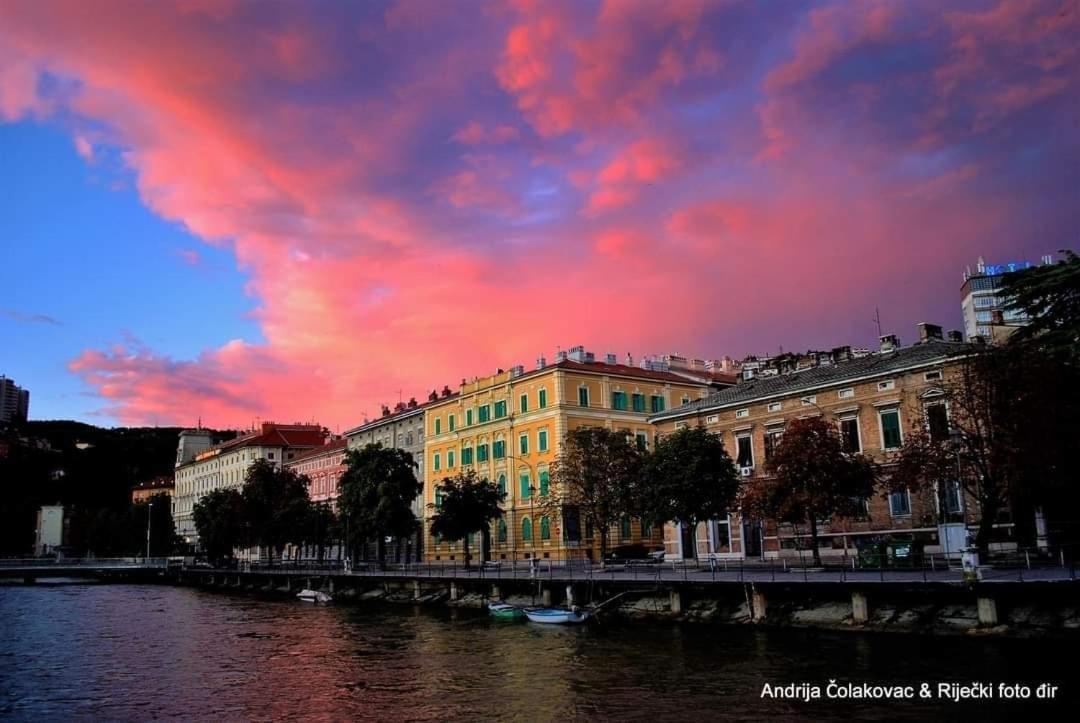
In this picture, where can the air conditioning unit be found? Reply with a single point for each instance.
(746, 471)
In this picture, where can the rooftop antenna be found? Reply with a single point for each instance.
(877, 318)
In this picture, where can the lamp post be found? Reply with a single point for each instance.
(149, 516)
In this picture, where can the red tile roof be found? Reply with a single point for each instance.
(283, 436)
(335, 446)
(618, 369)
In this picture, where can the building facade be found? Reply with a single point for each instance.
(49, 534)
(400, 428)
(143, 491)
(202, 469)
(323, 466)
(875, 401)
(14, 401)
(982, 303)
(510, 427)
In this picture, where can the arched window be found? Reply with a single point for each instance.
(545, 483)
(525, 483)
(545, 528)
(502, 483)
(526, 530)
(502, 530)
(438, 497)
(624, 528)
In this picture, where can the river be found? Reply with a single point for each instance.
(131, 652)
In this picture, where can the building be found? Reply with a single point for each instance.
(400, 428)
(14, 402)
(49, 533)
(509, 427)
(202, 467)
(323, 466)
(875, 400)
(982, 304)
(143, 491)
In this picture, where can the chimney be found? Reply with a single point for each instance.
(889, 342)
(446, 390)
(412, 402)
(629, 360)
(577, 353)
(385, 411)
(560, 356)
(928, 332)
(433, 396)
(516, 371)
(611, 359)
(955, 336)
(399, 407)
(541, 362)
(997, 317)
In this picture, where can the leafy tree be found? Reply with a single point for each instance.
(1050, 296)
(596, 473)
(688, 478)
(1014, 417)
(163, 539)
(276, 504)
(376, 494)
(320, 526)
(221, 522)
(809, 477)
(468, 504)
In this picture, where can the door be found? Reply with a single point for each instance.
(688, 543)
(752, 538)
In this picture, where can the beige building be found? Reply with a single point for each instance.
(510, 427)
(875, 401)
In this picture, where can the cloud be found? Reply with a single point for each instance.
(28, 318)
(415, 198)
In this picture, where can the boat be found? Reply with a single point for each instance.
(556, 616)
(504, 611)
(316, 596)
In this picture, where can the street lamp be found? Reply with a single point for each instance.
(149, 516)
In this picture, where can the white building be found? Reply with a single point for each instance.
(50, 529)
(201, 468)
(981, 300)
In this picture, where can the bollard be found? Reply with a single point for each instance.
(988, 613)
(416, 589)
(676, 602)
(860, 611)
(758, 605)
(569, 596)
(453, 591)
(496, 593)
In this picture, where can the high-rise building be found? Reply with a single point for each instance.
(14, 401)
(982, 303)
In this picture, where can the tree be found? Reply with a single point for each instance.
(163, 539)
(319, 527)
(376, 494)
(1013, 417)
(221, 523)
(809, 477)
(276, 504)
(467, 504)
(596, 474)
(688, 478)
(1050, 296)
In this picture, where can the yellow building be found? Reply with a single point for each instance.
(509, 428)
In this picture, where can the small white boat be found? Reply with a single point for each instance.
(316, 596)
(556, 616)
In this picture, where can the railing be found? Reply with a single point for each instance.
(84, 562)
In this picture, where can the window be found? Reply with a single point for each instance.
(583, 396)
(270, 455)
(481, 453)
(502, 483)
(500, 409)
(450, 459)
(624, 528)
(900, 504)
(846, 393)
(542, 440)
(618, 401)
(524, 485)
(638, 401)
(545, 528)
(952, 498)
(886, 385)
(438, 425)
(451, 418)
(642, 440)
(545, 483)
(775, 406)
(466, 455)
(772, 440)
(657, 403)
(523, 403)
(502, 530)
(712, 419)
(807, 401)
(985, 302)
(523, 444)
(483, 413)
(680, 425)
(937, 422)
(890, 429)
(435, 462)
(438, 497)
(745, 448)
(931, 376)
(849, 435)
(541, 398)
(468, 417)
(526, 530)
(742, 413)
(498, 449)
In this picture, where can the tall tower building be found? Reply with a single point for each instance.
(14, 401)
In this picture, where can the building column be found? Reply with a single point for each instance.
(860, 611)
(676, 602)
(758, 605)
(453, 591)
(416, 589)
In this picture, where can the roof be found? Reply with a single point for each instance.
(278, 437)
(334, 446)
(622, 370)
(878, 364)
(398, 415)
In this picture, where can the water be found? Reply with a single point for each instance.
(119, 652)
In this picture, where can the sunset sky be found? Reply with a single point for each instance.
(236, 210)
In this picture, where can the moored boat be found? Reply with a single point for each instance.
(505, 611)
(317, 596)
(556, 616)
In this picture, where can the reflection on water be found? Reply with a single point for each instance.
(136, 652)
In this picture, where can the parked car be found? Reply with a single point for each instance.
(637, 553)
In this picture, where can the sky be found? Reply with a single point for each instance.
(236, 211)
